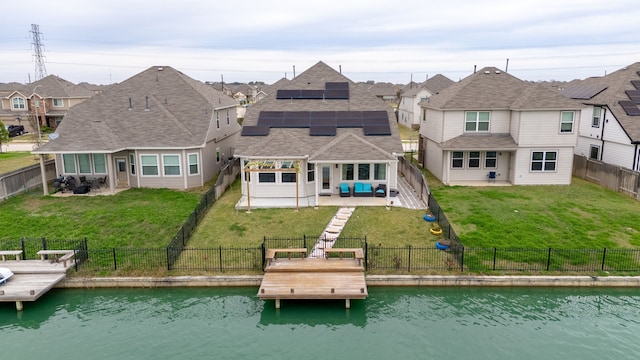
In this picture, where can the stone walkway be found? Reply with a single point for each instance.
(331, 232)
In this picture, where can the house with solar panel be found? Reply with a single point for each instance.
(157, 129)
(492, 127)
(610, 123)
(315, 138)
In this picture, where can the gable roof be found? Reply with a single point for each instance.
(608, 91)
(297, 142)
(493, 89)
(437, 83)
(53, 86)
(157, 108)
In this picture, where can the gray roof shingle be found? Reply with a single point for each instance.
(613, 87)
(349, 144)
(168, 110)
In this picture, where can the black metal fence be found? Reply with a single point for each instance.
(378, 259)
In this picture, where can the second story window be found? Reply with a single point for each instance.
(18, 103)
(476, 121)
(217, 120)
(228, 117)
(58, 102)
(566, 122)
(597, 113)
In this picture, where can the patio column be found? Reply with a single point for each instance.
(387, 174)
(315, 178)
(43, 174)
(111, 172)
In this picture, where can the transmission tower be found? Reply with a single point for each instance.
(41, 70)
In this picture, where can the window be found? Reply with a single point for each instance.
(132, 161)
(347, 171)
(597, 111)
(99, 164)
(218, 157)
(311, 172)
(594, 152)
(58, 102)
(247, 174)
(364, 171)
(477, 121)
(474, 159)
(171, 165)
(17, 103)
(490, 160)
(380, 171)
(566, 122)
(288, 177)
(84, 163)
(149, 165)
(457, 160)
(69, 161)
(217, 120)
(228, 117)
(267, 177)
(543, 160)
(193, 164)
(424, 114)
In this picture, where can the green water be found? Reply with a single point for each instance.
(393, 323)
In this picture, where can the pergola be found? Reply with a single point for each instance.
(270, 166)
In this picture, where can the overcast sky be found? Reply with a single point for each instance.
(105, 42)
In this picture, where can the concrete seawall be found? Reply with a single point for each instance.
(372, 280)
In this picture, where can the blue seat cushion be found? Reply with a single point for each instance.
(358, 187)
(344, 187)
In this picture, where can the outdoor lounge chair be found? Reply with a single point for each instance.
(345, 191)
(362, 189)
(5, 274)
(492, 176)
(381, 190)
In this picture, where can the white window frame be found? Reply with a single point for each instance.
(218, 155)
(591, 148)
(311, 172)
(93, 160)
(196, 163)
(132, 163)
(164, 165)
(61, 104)
(261, 180)
(89, 166)
(487, 158)
(365, 168)
(597, 116)
(72, 163)
(345, 172)
(454, 159)
(477, 121)
(21, 103)
(380, 169)
(228, 120)
(474, 158)
(544, 161)
(563, 122)
(217, 120)
(143, 166)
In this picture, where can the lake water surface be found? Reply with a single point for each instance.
(393, 323)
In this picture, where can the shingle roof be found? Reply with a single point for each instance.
(615, 84)
(437, 83)
(349, 144)
(53, 86)
(479, 142)
(178, 115)
(493, 89)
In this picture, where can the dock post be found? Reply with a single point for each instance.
(19, 306)
(347, 304)
(277, 303)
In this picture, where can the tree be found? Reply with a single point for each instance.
(4, 135)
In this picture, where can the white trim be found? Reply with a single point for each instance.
(189, 164)
(164, 166)
(142, 166)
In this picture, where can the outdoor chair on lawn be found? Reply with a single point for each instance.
(492, 176)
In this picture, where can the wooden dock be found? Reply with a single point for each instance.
(312, 278)
(31, 279)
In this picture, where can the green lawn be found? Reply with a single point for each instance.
(136, 218)
(407, 133)
(583, 215)
(10, 161)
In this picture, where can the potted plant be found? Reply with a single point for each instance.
(428, 216)
(435, 229)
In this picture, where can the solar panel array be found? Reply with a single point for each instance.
(583, 92)
(332, 91)
(632, 106)
(321, 123)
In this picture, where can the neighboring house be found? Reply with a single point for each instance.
(385, 91)
(408, 110)
(53, 95)
(493, 122)
(313, 133)
(610, 122)
(270, 89)
(157, 129)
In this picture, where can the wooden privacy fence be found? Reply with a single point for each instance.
(613, 177)
(25, 179)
